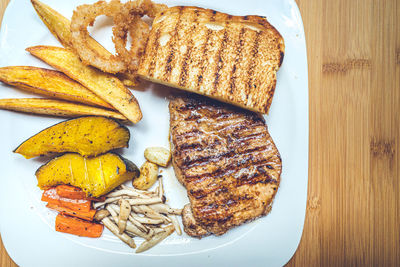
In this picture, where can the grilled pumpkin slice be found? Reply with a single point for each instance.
(88, 136)
(95, 176)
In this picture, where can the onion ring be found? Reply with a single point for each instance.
(129, 20)
(138, 30)
(145, 7)
(126, 18)
(84, 16)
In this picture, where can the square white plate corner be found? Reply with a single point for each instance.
(27, 227)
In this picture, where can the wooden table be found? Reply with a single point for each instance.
(353, 209)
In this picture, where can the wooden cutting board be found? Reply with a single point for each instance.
(353, 209)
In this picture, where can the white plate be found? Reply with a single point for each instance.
(27, 227)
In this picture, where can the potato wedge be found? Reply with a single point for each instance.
(158, 155)
(88, 136)
(148, 176)
(50, 83)
(57, 108)
(59, 26)
(104, 85)
(95, 176)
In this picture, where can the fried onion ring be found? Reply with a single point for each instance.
(127, 18)
(145, 7)
(84, 16)
(138, 30)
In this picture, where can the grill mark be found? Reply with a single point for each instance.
(196, 147)
(172, 47)
(212, 143)
(212, 116)
(187, 146)
(231, 139)
(228, 130)
(250, 70)
(214, 106)
(231, 168)
(193, 132)
(214, 221)
(155, 46)
(222, 211)
(183, 75)
(204, 52)
(228, 206)
(237, 60)
(192, 106)
(237, 125)
(201, 161)
(219, 61)
(253, 137)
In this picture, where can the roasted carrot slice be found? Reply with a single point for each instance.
(79, 227)
(69, 191)
(51, 196)
(86, 215)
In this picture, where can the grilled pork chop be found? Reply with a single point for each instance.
(230, 58)
(227, 161)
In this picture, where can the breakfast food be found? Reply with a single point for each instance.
(57, 108)
(104, 85)
(88, 136)
(50, 83)
(230, 58)
(227, 161)
(59, 26)
(95, 176)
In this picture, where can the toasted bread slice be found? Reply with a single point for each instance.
(230, 58)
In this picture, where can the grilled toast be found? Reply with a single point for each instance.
(233, 59)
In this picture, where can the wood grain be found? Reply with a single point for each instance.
(353, 195)
(353, 209)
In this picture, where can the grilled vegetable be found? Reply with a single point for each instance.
(148, 176)
(57, 108)
(50, 195)
(50, 83)
(158, 155)
(104, 85)
(95, 176)
(88, 136)
(73, 192)
(85, 215)
(75, 226)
